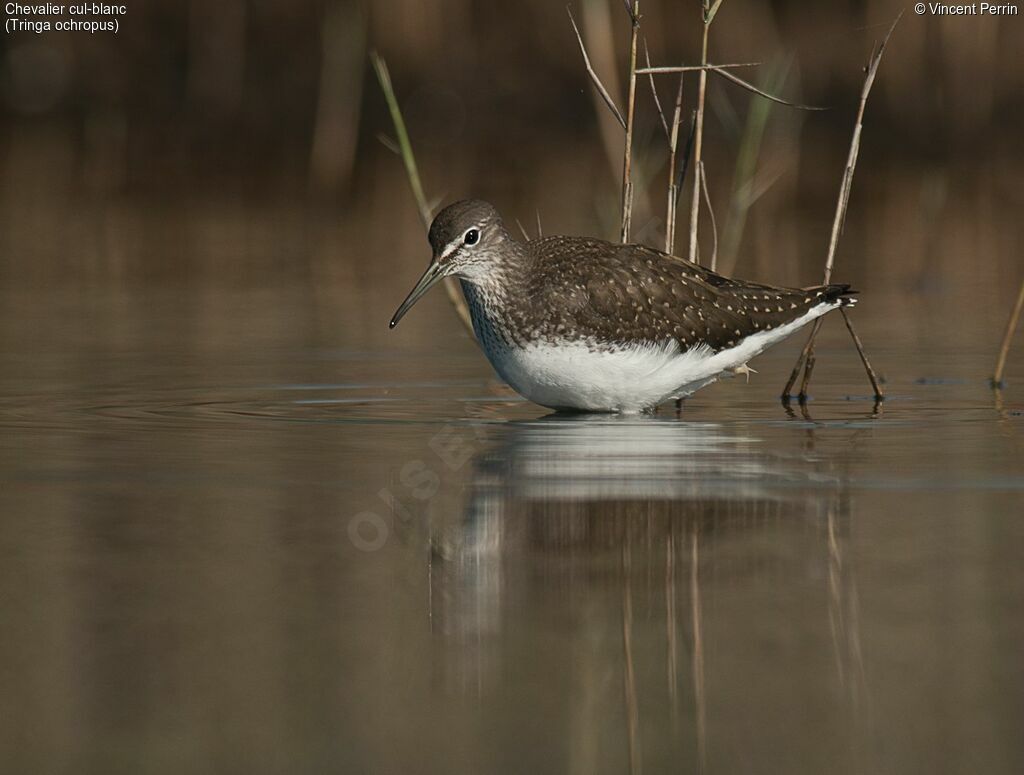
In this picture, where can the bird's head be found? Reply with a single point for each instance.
(468, 241)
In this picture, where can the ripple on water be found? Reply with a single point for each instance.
(444, 401)
(187, 406)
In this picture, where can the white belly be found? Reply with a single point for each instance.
(573, 375)
(578, 375)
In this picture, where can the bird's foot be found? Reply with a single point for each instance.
(744, 370)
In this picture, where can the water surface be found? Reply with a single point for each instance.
(231, 541)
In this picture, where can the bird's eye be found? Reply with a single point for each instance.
(472, 237)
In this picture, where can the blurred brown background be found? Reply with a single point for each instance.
(236, 142)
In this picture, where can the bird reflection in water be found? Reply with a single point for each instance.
(609, 533)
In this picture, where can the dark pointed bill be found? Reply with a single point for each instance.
(430, 278)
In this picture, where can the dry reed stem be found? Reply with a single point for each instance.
(671, 665)
(723, 71)
(629, 672)
(540, 229)
(654, 93)
(593, 75)
(872, 377)
(879, 396)
(711, 212)
(672, 137)
(699, 695)
(709, 13)
(719, 70)
(413, 176)
(598, 34)
(1011, 327)
(688, 150)
(698, 142)
(668, 69)
(627, 154)
(673, 184)
(806, 359)
(808, 370)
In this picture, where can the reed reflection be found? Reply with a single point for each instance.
(635, 529)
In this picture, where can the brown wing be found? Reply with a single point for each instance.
(619, 292)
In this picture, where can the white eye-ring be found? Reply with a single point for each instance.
(471, 237)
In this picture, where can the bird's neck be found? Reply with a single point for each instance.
(489, 310)
(491, 304)
(494, 290)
